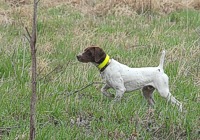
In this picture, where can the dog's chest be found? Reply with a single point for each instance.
(107, 79)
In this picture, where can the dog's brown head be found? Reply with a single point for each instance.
(92, 54)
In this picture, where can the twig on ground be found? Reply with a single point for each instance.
(59, 66)
(7, 129)
(168, 137)
(66, 92)
(40, 71)
(158, 129)
(76, 91)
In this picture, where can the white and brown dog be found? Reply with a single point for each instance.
(125, 79)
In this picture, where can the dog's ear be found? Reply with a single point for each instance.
(99, 54)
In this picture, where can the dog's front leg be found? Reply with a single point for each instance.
(119, 93)
(105, 92)
(117, 83)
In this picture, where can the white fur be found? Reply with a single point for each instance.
(125, 79)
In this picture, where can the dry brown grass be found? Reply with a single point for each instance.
(195, 4)
(4, 17)
(17, 3)
(43, 65)
(52, 3)
(129, 7)
(17, 13)
(23, 8)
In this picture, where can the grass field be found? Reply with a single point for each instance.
(137, 40)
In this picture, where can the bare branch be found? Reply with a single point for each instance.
(38, 2)
(34, 74)
(27, 38)
(28, 33)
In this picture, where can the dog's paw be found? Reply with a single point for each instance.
(109, 95)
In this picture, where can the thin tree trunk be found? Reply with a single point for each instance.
(33, 69)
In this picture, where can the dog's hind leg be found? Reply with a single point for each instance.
(175, 101)
(166, 94)
(148, 94)
(162, 86)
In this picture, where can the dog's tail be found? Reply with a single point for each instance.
(162, 58)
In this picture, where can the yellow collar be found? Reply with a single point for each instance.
(104, 63)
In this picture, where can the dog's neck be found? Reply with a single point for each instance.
(103, 64)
